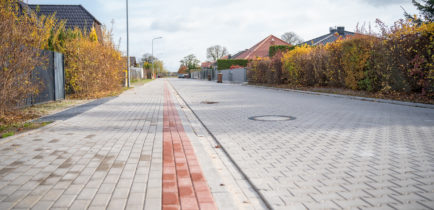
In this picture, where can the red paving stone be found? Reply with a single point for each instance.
(184, 186)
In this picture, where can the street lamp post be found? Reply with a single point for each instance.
(128, 52)
(153, 75)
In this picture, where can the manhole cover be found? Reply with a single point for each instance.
(208, 102)
(272, 118)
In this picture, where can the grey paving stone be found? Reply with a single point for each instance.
(43, 205)
(116, 204)
(80, 160)
(64, 201)
(341, 151)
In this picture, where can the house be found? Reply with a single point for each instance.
(74, 15)
(334, 34)
(206, 65)
(133, 61)
(260, 49)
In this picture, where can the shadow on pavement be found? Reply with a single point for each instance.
(72, 112)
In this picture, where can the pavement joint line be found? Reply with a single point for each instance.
(360, 98)
(244, 175)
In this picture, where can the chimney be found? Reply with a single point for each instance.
(333, 30)
(341, 30)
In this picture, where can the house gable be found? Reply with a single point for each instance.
(260, 49)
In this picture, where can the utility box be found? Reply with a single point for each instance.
(219, 78)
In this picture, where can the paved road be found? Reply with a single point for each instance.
(337, 153)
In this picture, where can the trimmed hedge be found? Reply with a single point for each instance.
(226, 64)
(282, 48)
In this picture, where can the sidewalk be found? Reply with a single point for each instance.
(110, 156)
(107, 157)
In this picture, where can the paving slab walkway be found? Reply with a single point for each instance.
(336, 153)
(109, 154)
(108, 157)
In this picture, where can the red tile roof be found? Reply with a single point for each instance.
(261, 49)
(206, 64)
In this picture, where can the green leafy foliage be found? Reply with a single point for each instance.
(226, 64)
(276, 48)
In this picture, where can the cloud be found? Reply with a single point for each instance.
(190, 26)
(385, 2)
(168, 25)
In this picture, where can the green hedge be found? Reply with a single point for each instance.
(275, 48)
(226, 64)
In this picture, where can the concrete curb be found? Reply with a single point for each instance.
(387, 101)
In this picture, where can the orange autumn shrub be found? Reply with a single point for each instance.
(92, 68)
(257, 70)
(23, 36)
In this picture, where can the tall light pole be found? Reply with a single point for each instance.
(153, 54)
(128, 52)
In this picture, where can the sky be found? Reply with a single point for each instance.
(191, 26)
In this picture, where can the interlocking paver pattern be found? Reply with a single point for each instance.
(184, 186)
(338, 153)
(108, 157)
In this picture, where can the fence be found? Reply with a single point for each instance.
(136, 73)
(229, 75)
(234, 75)
(52, 77)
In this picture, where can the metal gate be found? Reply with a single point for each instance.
(51, 76)
(59, 77)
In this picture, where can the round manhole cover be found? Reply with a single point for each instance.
(272, 118)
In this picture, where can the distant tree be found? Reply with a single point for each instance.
(182, 69)
(190, 61)
(292, 38)
(147, 57)
(426, 9)
(147, 65)
(216, 52)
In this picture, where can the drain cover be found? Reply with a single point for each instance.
(272, 118)
(208, 102)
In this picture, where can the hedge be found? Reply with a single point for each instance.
(398, 61)
(226, 64)
(275, 48)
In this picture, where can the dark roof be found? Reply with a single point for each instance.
(335, 34)
(74, 15)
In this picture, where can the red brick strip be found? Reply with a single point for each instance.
(184, 186)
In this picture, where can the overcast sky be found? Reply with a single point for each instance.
(190, 26)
